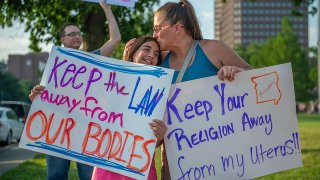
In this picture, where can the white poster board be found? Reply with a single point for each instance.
(233, 130)
(126, 3)
(96, 110)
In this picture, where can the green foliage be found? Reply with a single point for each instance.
(158, 162)
(313, 62)
(281, 49)
(118, 52)
(296, 3)
(26, 86)
(35, 168)
(44, 19)
(313, 75)
(9, 86)
(12, 89)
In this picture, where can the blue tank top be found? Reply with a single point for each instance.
(200, 68)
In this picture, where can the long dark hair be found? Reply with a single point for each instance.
(136, 45)
(184, 13)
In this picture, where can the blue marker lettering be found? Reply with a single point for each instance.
(196, 172)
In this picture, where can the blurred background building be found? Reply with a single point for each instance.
(245, 21)
(28, 66)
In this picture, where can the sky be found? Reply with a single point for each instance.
(15, 41)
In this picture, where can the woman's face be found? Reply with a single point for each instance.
(148, 53)
(163, 31)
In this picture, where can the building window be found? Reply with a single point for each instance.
(28, 62)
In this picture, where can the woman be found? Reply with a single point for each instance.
(176, 27)
(144, 50)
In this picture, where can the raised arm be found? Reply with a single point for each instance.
(114, 33)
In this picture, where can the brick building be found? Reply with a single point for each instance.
(28, 66)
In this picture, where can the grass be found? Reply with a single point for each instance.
(309, 130)
(35, 169)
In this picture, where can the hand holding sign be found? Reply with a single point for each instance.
(127, 3)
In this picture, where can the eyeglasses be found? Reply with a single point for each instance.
(74, 34)
(157, 29)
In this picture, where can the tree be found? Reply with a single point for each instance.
(10, 89)
(284, 48)
(313, 10)
(246, 52)
(26, 86)
(313, 73)
(44, 19)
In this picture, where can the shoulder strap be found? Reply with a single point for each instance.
(186, 61)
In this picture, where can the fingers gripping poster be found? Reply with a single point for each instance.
(127, 3)
(96, 110)
(233, 130)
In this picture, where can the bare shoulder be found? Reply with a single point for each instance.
(214, 45)
(221, 54)
(213, 50)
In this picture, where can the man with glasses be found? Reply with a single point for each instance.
(71, 37)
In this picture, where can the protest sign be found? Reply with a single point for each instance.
(127, 3)
(96, 110)
(233, 130)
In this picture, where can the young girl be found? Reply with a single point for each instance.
(144, 50)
